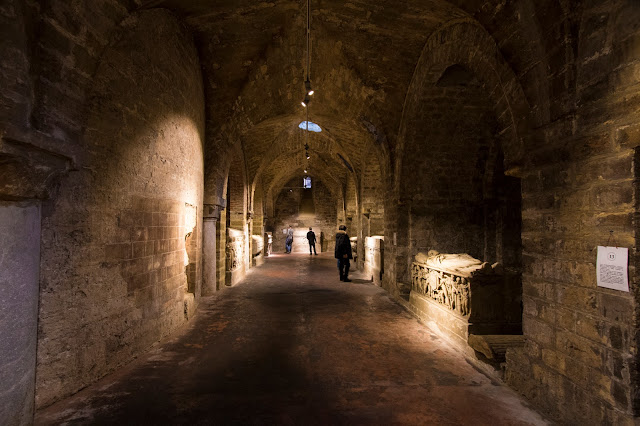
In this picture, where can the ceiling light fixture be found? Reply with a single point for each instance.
(307, 87)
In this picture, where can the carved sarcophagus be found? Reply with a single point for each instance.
(257, 253)
(235, 264)
(465, 296)
(235, 249)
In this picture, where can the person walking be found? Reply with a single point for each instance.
(343, 253)
(311, 236)
(289, 241)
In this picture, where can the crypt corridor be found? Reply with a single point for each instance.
(154, 152)
(293, 345)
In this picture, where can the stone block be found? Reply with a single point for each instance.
(580, 348)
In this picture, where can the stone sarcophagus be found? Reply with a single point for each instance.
(374, 258)
(354, 249)
(268, 243)
(463, 296)
(235, 252)
(257, 250)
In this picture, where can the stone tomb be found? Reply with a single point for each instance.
(463, 296)
(257, 249)
(235, 268)
(374, 258)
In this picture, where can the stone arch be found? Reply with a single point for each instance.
(335, 185)
(324, 144)
(480, 55)
(446, 165)
(291, 205)
(237, 232)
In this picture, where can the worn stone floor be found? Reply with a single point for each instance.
(292, 345)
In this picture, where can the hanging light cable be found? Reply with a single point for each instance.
(307, 83)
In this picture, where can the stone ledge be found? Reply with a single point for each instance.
(495, 346)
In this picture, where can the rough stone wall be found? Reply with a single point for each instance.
(16, 29)
(580, 360)
(71, 37)
(117, 258)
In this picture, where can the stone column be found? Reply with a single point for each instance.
(19, 292)
(209, 265)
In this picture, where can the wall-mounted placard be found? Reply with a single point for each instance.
(612, 268)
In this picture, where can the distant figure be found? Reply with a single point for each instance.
(343, 253)
(289, 241)
(311, 236)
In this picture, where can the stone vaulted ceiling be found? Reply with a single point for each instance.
(363, 57)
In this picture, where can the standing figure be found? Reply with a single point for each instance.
(311, 236)
(343, 253)
(289, 241)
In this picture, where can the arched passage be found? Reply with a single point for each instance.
(453, 195)
(443, 158)
(237, 246)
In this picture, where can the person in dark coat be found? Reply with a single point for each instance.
(343, 253)
(311, 236)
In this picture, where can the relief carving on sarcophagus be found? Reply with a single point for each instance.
(482, 296)
(234, 249)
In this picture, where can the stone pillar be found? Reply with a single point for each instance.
(209, 264)
(19, 292)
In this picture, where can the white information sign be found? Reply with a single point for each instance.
(612, 268)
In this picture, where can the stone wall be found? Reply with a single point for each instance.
(121, 241)
(580, 358)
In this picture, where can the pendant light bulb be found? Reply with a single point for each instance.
(307, 87)
(306, 101)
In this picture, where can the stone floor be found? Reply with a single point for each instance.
(292, 344)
